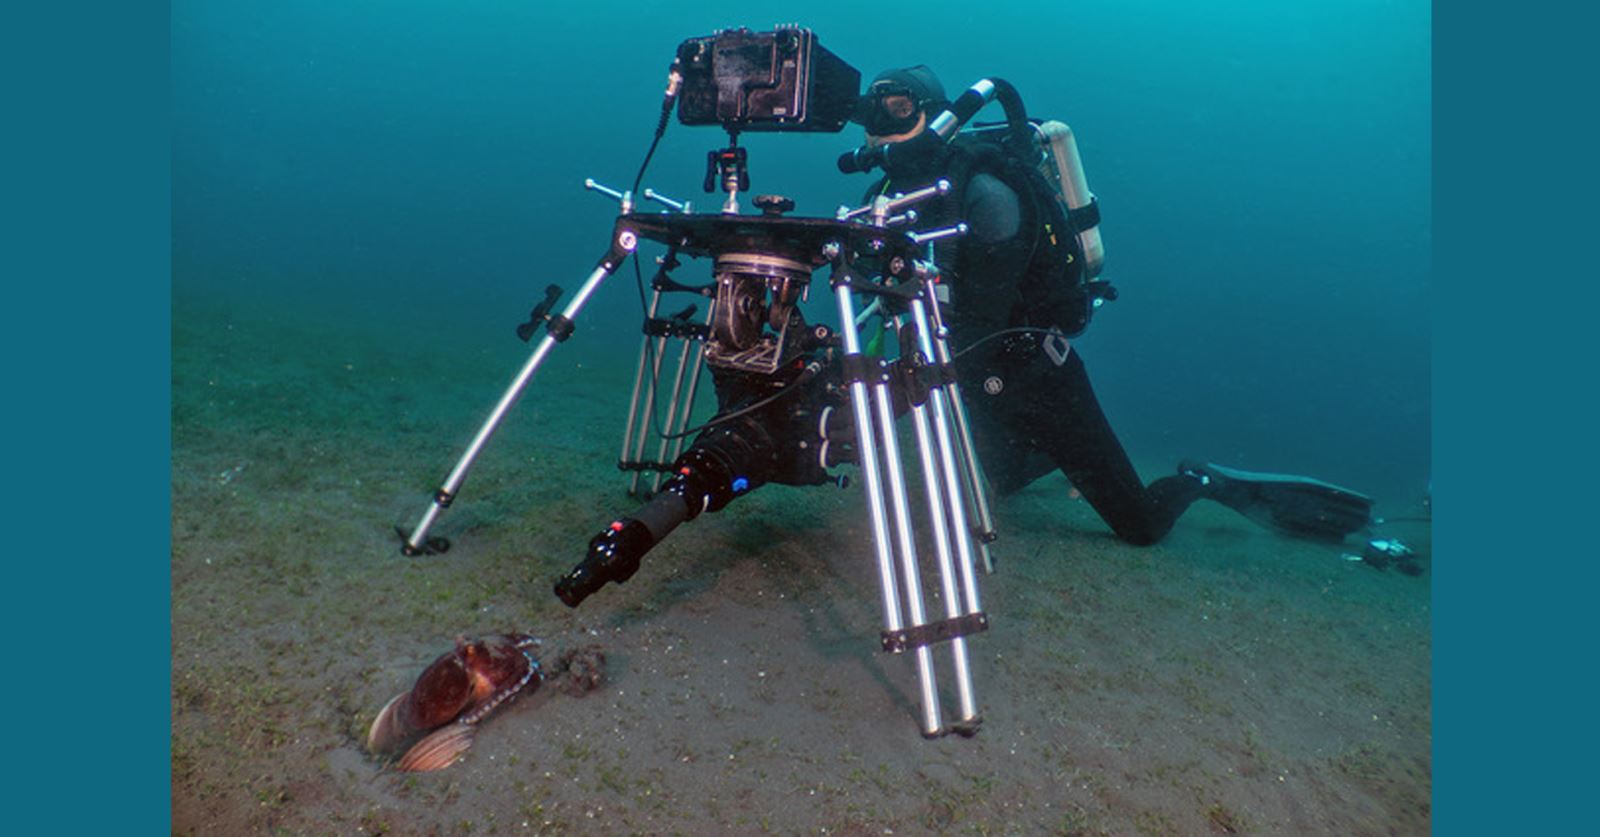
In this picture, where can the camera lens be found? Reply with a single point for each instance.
(613, 556)
(577, 585)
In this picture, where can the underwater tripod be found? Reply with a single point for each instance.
(755, 254)
(793, 400)
(744, 338)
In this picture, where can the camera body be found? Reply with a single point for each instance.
(781, 80)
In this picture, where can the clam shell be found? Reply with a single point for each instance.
(439, 749)
(387, 730)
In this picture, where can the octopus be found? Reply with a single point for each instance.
(451, 697)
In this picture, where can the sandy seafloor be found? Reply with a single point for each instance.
(1228, 680)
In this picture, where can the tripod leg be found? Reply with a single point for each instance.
(971, 471)
(943, 478)
(935, 488)
(623, 242)
(694, 385)
(632, 426)
(643, 436)
(976, 494)
(862, 404)
(686, 355)
(910, 572)
(943, 407)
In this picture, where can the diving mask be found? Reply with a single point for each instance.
(887, 109)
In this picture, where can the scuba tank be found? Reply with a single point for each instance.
(1063, 168)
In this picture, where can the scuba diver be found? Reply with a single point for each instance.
(1018, 290)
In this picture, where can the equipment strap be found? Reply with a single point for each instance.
(1085, 217)
(917, 636)
(862, 368)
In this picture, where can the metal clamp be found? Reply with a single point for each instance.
(675, 205)
(887, 207)
(624, 198)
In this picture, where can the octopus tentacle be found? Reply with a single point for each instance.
(482, 710)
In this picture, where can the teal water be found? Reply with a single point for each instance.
(368, 197)
(1263, 170)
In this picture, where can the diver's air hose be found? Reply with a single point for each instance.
(973, 99)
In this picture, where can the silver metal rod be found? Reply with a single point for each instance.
(673, 402)
(894, 204)
(638, 380)
(947, 522)
(594, 186)
(866, 442)
(867, 312)
(675, 205)
(934, 489)
(458, 475)
(899, 202)
(625, 198)
(935, 235)
(649, 413)
(846, 214)
(972, 475)
(867, 449)
(694, 386)
(947, 461)
(972, 471)
(909, 570)
(867, 446)
(883, 404)
(954, 483)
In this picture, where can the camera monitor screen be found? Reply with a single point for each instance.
(765, 81)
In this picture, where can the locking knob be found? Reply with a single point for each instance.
(773, 206)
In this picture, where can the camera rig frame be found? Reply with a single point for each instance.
(781, 385)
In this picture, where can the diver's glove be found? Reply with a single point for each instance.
(1299, 506)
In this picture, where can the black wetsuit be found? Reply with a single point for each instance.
(1033, 411)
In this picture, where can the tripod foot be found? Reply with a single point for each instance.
(430, 546)
(968, 728)
(965, 729)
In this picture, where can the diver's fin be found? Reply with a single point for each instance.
(1300, 506)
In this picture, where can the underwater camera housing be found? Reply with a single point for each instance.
(781, 80)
